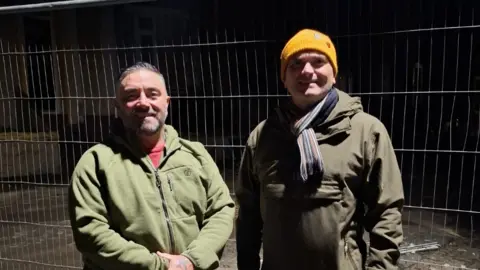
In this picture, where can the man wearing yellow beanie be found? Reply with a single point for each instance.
(317, 173)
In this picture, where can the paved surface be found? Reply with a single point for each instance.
(35, 234)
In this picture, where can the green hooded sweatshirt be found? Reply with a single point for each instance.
(123, 210)
(320, 224)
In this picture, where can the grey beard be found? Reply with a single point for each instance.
(151, 130)
(133, 124)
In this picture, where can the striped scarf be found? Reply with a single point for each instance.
(311, 162)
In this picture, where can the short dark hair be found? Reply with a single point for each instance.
(138, 66)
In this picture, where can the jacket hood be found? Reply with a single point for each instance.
(346, 106)
(129, 140)
(339, 119)
(118, 131)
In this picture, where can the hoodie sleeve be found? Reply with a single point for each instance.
(249, 221)
(94, 237)
(384, 199)
(217, 225)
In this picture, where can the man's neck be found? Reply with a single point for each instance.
(151, 141)
(306, 105)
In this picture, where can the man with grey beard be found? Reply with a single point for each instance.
(145, 198)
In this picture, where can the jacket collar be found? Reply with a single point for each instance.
(129, 140)
(339, 119)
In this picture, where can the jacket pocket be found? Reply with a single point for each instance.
(170, 186)
(328, 190)
(184, 192)
(304, 227)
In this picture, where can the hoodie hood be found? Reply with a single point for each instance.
(339, 119)
(346, 106)
(129, 140)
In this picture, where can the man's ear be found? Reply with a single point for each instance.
(115, 104)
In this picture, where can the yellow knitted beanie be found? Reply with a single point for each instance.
(308, 39)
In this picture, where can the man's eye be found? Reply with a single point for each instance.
(131, 97)
(318, 63)
(295, 64)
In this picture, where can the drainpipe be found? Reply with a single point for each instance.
(71, 4)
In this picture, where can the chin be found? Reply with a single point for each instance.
(314, 92)
(148, 131)
(149, 128)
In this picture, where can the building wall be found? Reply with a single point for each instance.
(76, 74)
(12, 71)
(66, 63)
(99, 65)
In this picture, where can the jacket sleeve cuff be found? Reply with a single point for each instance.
(202, 259)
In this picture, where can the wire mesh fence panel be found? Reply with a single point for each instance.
(422, 80)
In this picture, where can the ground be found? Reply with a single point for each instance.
(35, 234)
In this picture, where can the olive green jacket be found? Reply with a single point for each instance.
(320, 224)
(123, 210)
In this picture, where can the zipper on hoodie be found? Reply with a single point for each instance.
(165, 210)
(159, 186)
(162, 195)
(349, 255)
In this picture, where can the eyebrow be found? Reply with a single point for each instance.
(151, 89)
(130, 90)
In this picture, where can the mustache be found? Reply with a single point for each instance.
(142, 112)
(317, 81)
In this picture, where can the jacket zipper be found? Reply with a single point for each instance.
(162, 195)
(169, 183)
(165, 209)
(349, 255)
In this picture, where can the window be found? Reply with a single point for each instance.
(153, 26)
(145, 37)
(145, 24)
(38, 38)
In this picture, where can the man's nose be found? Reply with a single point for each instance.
(142, 100)
(307, 69)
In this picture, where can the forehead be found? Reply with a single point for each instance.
(139, 79)
(141, 76)
(308, 56)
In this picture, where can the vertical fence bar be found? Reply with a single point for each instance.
(233, 140)
(178, 91)
(445, 215)
(427, 119)
(187, 90)
(477, 149)
(99, 102)
(222, 122)
(4, 215)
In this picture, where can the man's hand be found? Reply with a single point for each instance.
(177, 262)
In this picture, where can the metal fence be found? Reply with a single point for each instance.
(424, 84)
